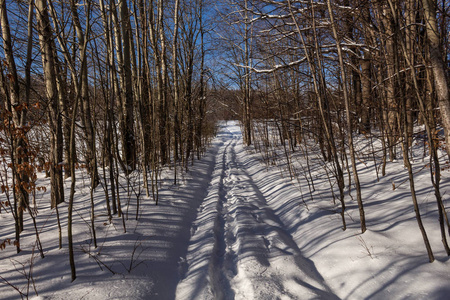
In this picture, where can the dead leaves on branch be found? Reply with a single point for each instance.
(9, 242)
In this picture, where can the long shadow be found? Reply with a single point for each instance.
(151, 248)
(273, 225)
(220, 286)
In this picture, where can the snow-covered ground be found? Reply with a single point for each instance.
(237, 229)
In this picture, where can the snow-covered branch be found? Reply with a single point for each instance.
(275, 68)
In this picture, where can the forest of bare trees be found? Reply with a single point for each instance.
(330, 70)
(108, 86)
(131, 87)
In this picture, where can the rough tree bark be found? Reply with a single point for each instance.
(440, 80)
(47, 45)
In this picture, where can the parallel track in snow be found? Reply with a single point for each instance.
(240, 248)
(221, 256)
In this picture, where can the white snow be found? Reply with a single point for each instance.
(236, 228)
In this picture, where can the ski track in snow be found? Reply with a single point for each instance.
(234, 228)
(240, 249)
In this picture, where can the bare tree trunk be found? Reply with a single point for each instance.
(18, 113)
(159, 107)
(349, 121)
(414, 198)
(247, 80)
(125, 92)
(390, 115)
(91, 158)
(114, 90)
(176, 121)
(410, 35)
(144, 92)
(202, 96)
(440, 79)
(188, 95)
(128, 140)
(163, 101)
(319, 82)
(366, 96)
(48, 61)
(435, 170)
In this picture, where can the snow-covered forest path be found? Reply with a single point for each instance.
(240, 248)
(234, 227)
